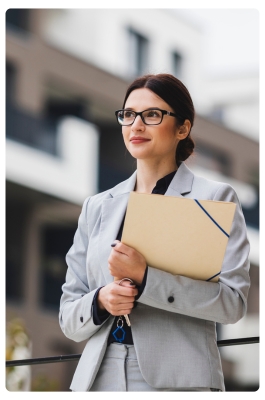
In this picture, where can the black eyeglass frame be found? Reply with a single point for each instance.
(164, 112)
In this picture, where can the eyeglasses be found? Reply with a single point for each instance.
(152, 116)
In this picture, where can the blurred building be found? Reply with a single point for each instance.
(67, 71)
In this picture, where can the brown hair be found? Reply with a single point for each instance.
(177, 96)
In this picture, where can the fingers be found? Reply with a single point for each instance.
(122, 248)
(126, 283)
(125, 289)
(120, 305)
(120, 309)
(121, 256)
(117, 258)
(122, 302)
(114, 244)
(117, 299)
(121, 312)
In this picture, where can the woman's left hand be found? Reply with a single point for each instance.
(126, 262)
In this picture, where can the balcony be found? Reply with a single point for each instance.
(61, 159)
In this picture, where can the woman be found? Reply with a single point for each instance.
(171, 343)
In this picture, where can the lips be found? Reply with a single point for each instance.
(139, 139)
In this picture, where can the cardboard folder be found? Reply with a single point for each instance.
(178, 235)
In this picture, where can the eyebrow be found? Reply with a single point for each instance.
(149, 108)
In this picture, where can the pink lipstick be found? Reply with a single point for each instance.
(138, 140)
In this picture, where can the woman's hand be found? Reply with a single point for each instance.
(126, 262)
(117, 299)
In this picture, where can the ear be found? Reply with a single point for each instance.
(184, 130)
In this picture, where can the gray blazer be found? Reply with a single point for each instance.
(175, 342)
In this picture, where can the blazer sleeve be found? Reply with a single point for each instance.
(225, 301)
(76, 305)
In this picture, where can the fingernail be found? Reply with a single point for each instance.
(132, 284)
(113, 244)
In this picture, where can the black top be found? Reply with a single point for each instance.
(119, 333)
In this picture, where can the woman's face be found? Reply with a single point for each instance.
(156, 142)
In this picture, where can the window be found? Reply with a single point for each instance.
(138, 53)
(56, 241)
(55, 109)
(176, 64)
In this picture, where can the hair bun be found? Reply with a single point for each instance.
(184, 149)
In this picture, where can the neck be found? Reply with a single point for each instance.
(149, 173)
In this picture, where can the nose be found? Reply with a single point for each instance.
(138, 123)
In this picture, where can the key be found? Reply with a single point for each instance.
(126, 316)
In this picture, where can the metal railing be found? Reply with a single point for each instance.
(75, 357)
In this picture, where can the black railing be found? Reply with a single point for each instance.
(75, 357)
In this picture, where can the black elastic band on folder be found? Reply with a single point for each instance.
(199, 204)
(218, 273)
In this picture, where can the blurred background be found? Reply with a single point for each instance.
(67, 71)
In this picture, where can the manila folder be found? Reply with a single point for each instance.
(178, 235)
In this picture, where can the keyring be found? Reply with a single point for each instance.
(125, 279)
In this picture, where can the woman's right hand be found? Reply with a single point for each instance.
(117, 299)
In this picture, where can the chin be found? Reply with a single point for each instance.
(139, 155)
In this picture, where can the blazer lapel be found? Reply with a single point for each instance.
(181, 183)
(113, 211)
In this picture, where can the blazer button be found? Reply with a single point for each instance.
(81, 319)
(170, 299)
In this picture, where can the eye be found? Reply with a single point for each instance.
(128, 114)
(153, 113)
